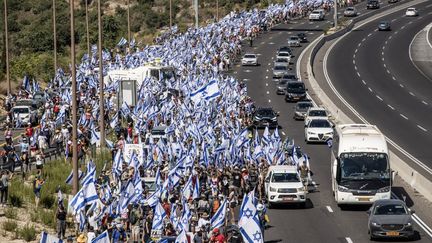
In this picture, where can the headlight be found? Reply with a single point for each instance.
(343, 189)
(257, 118)
(376, 224)
(300, 189)
(311, 133)
(384, 189)
(274, 119)
(272, 189)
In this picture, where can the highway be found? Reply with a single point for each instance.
(379, 80)
(322, 220)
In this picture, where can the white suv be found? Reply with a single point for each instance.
(316, 15)
(316, 112)
(318, 130)
(283, 185)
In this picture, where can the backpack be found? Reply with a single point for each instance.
(133, 218)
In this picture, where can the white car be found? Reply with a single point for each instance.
(283, 185)
(411, 12)
(318, 130)
(294, 41)
(316, 15)
(316, 112)
(350, 12)
(250, 59)
(23, 115)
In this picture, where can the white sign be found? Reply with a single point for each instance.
(130, 148)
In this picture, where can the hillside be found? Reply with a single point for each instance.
(31, 33)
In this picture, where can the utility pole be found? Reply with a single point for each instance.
(54, 35)
(74, 102)
(335, 14)
(87, 29)
(217, 10)
(170, 12)
(101, 81)
(196, 14)
(7, 47)
(128, 22)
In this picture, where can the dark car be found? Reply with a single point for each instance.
(39, 99)
(302, 36)
(265, 117)
(384, 26)
(390, 218)
(301, 108)
(372, 4)
(290, 76)
(393, 1)
(285, 49)
(295, 91)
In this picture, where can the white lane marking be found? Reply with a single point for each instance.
(424, 102)
(266, 77)
(272, 58)
(405, 117)
(355, 67)
(359, 44)
(379, 98)
(317, 26)
(385, 65)
(283, 133)
(288, 32)
(391, 107)
(354, 56)
(271, 43)
(259, 54)
(388, 71)
(364, 82)
(422, 128)
(356, 50)
(382, 53)
(383, 47)
(354, 61)
(245, 79)
(269, 101)
(247, 71)
(411, 93)
(268, 92)
(370, 34)
(262, 43)
(394, 78)
(358, 74)
(390, 37)
(235, 72)
(385, 42)
(363, 39)
(393, 20)
(382, 59)
(370, 90)
(401, 85)
(267, 70)
(348, 240)
(266, 84)
(269, 63)
(329, 209)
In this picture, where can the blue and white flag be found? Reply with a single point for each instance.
(46, 238)
(95, 137)
(249, 223)
(218, 219)
(196, 189)
(158, 218)
(69, 179)
(181, 238)
(26, 83)
(85, 196)
(122, 42)
(102, 238)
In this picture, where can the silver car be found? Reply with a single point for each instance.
(281, 86)
(294, 41)
(249, 59)
(282, 62)
(279, 71)
(350, 12)
(390, 218)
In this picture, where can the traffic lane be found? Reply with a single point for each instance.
(350, 85)
(300, 222)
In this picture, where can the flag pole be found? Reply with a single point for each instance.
(74, 102)
(54, 35)
(7, 47)
(101, 81)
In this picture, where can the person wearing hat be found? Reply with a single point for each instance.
(217, 236)
(37, 187)
(82, 238)
(58, 140)
(203, 221)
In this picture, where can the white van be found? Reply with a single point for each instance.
(283, 185)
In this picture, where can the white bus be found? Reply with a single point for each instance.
(360, 165)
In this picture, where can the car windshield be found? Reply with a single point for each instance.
(265, 112)
(21, 110)
(150, 185)
(303, 105)
(290, 76)
(283, 82)
(293, 38)
(360, 166)
(283, 54)
(350, 9)
(411, 9)
(249, 56)
(317, 113)
(316, 12)
(390, 209)
(281, 60)
(285, 177)
(280, 68)
(383, 23)
(295, 86)
(320, 124)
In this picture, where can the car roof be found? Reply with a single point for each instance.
(389, 201)
(250, 54)
(317, 109)
(283, 168)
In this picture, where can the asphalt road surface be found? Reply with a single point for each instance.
(379, 80)
(321, 220)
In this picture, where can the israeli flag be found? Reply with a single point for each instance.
(158, 218)
(69, 179)
(329, 142)
(181, 238)
(46, 238)
(114, 121)
(196, 189)
(218, 220)
(249, 224)
(102, 238)
(95, 137)
(85, 196)
(26, 83)
(122, 42)
(212, 91)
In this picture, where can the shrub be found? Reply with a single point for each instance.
(47, 201)
(16, 200)
(28, 233)
(47, 217)
(34, 216)
(9, 225)
(10, 213)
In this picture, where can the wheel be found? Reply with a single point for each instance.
(302, 205)
(270, 205)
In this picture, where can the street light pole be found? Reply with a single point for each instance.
(54, 35)
(196, 14)
(217, 10)
(87, 28)
(74, 102)
(7, 47)
(128, 22)
(101, 81)
(335, 14)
